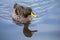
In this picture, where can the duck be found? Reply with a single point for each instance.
(23, 15)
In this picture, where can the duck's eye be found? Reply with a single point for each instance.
(29, 13)
(26, 15)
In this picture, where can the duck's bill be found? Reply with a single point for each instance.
(34, 15)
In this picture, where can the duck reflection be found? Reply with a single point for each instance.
(22, 15)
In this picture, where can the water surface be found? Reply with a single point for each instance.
(47, 23)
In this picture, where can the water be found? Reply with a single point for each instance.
(47, 23)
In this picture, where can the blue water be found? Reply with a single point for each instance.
(47, 23)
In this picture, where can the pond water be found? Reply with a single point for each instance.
(47, 23)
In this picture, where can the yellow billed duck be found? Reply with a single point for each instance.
(23, 15)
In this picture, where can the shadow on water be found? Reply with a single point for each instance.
(27, 32)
